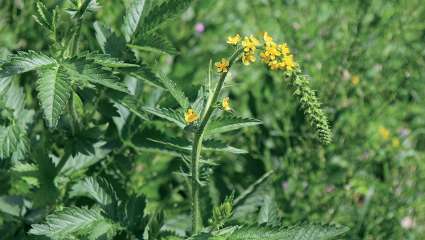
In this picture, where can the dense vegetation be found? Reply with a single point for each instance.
(139, 119)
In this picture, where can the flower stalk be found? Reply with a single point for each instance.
(197, 145)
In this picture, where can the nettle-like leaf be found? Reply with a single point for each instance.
(177, 146)
(81, 162)
(176, 92)
(228, 123)
(107, 60)
(298, 232)
(162, 12)
(174, 116)
(130, 103)
(54, 90)
(128, 211)
(44, 17)
(218, 146)
(145, 73)
(87, 72)
(154, 43)
(74, 221)
(14, 142)
(24, 62)
(98, 190)
(79, 11)
(13, 98)
(133, 17)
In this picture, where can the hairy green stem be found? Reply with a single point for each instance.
(197, 146)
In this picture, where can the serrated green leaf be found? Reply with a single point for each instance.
(44, 17)
(218, 146)
(81, 9)
(81, 162)
(162, 12)
(100, 190)
(228, 123)
(88, 72)
(154, 43)
(12, 205)
(54, 90)
(12, 96)
(145, 73)
(134, 212)
(13, 142)
(178, 146)
(108, 61)
(133, 17)
(130, 103)
(174, 116)
(102, 35)
(24, 62)
(298, 232)
(269, 212)
(70, 221)
(176, 92)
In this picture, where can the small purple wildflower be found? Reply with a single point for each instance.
(199, 27)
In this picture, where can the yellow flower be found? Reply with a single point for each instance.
(270, 53)
(274, 65)
(223, 65)
(234, 40)
(355, 80)
(250, 44)
(267, 37)
(285, 49)
(289, 62)
(226, 104)
(248, 58)
(190, 116)
(384, 132)
(395, 142)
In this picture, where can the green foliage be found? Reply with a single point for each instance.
(96, 140)
(154, 43)
(307, 232)
(229, 123)
(14, 143)
(24, 62)
(74, 221)
(176, 92)
(133, 17)
(162, 12)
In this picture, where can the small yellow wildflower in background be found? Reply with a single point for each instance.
(384, 132)
(395, 142)
(234, 40)
(355, 80)
(267, 38)
(190, 116)
(226, 104)
(223, 65)
(248, 58)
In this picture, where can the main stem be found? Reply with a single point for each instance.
(197, 147)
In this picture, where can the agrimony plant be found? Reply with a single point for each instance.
(68, 77)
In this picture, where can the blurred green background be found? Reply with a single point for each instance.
(366, 60)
